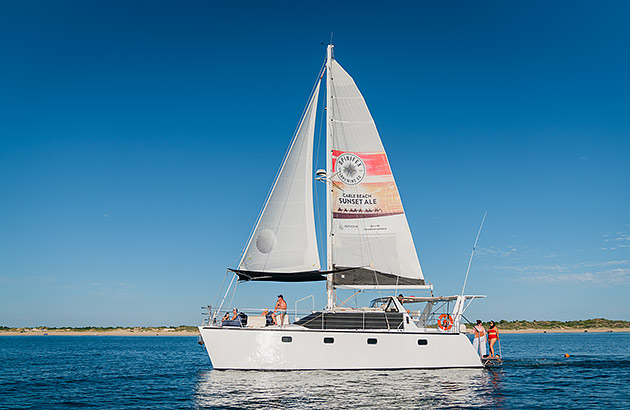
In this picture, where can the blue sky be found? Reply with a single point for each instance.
(139, 139)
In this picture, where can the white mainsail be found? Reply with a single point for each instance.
(284, 240)
(370, 233)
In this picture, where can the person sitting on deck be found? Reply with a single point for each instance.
(479, 342)
(281, 308)
(234, 322)
(243, 318)
(270, 317)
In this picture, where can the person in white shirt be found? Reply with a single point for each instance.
(479, 342)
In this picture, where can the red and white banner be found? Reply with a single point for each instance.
(363, 186)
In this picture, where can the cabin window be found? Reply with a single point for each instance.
(423, 342)
(329, 340)
(407, 318)
(287, 339)
(372, 341)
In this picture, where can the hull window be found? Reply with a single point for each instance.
(372, 341)
(329, 340)
(287, 339)
(423, 342)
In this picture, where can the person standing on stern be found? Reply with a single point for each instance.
(493, 336)
(479, 341)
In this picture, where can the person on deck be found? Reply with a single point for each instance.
(493, 336)
(270, 317)
(280, 310)
(235, 321)
(479, 342)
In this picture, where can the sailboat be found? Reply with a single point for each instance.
(369, 247)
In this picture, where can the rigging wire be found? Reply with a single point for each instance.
(262, 209)
(267, 197)
(320, 225)
(285, 202)
(473, 252)
(216, 303)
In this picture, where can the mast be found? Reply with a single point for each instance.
(329, 265)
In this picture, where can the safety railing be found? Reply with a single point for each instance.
(439, 320)
(295, 315)
(246, 317)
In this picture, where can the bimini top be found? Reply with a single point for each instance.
(420, 299)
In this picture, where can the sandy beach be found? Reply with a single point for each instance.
(168, 332)
(592, 330)
(121, 332)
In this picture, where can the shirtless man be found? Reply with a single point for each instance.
(281, 309)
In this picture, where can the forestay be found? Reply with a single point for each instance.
(283, 245)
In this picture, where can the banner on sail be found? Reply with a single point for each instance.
(363, 186)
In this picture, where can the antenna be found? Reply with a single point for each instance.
(473, 252)
(331, 37)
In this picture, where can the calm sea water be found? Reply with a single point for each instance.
(60, 372)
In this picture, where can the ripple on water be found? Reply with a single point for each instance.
(175, 373)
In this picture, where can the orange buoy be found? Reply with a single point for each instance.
(566, 355)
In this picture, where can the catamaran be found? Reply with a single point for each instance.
(369, 246)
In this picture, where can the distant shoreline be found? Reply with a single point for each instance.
(588, 330)
(189, 332)
(59, 332)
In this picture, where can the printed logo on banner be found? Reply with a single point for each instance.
(351, 169)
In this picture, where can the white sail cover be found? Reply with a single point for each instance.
(369, 226)
(284, 239)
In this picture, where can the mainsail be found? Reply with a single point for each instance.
(283, 245)
(371, 241)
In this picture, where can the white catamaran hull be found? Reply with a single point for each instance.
(297, 348)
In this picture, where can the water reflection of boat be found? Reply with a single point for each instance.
(435, 389)
(369, 247)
